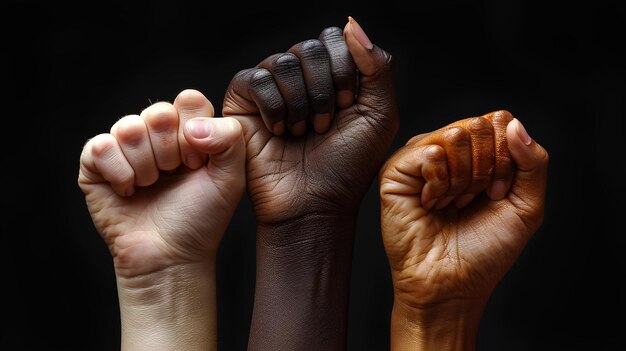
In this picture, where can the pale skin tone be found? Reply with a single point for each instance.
(458, 205)
(161, 188)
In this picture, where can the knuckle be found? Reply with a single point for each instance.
(499, 120)
(102, 145)
(314, 50)
(457, 136)
(479, 125)
(503, 115)
(191, 97)
(309, 45)
(161, 117)
(130, 129)
(260, 77)
(434, 153)
(286, 63)
(331, 32)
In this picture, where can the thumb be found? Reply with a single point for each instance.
(375, 69)
(528, 190)
(221, 139)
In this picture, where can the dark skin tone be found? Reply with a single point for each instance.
(314, 145)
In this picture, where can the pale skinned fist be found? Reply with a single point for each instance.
(162, 186)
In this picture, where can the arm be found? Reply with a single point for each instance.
(174, 309)
(161, 188)
(301, 296)
(452, 326)
(306, 179)
(457, 208)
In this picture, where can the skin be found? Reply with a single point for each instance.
(458, 205)
(161, 193)
(306, 180)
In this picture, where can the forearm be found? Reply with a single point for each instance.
(174, 309)
(450, 326)
(302, 289)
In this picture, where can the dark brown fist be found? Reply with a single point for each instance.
(315, 141)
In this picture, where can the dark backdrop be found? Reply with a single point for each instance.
(71, 71)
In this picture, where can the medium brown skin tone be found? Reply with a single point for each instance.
(458, 205)
(306, 180)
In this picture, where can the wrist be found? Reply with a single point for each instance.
(174, 308)
(451, 325)
(296, 233)
(302, 285)
(163, 286)
(309, 248)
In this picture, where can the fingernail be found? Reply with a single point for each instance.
(198, 128)
(279, 128)
(359, 34)
(299, 128)
(522, 133)
(498, 190)
(321, 122)
(194, 161)
(464, 200)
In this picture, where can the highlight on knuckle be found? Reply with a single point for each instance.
(314, 50)
(479, 126)
(457, 136)
(332, 32)
(129, 130)
(102, 145)
(162, 117)
(286, 63)
(260, 78)
(434, 153)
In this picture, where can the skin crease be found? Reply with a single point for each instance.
(306, 186)
(162, 213)
(446, 257)
(290, 177)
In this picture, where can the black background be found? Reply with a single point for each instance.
(71, 71)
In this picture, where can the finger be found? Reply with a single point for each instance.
(416, 139)
(435, 172)
(254, 91)
(221, 139)
(419, 170)
(132, 136)
(315, 65)
(504, 167)
(101, 160)
(190, 104)
(482, 146)
(375, 66)
(342, 67)
(161, 119)
(528, 190)
(457, 143)
(285, 69)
